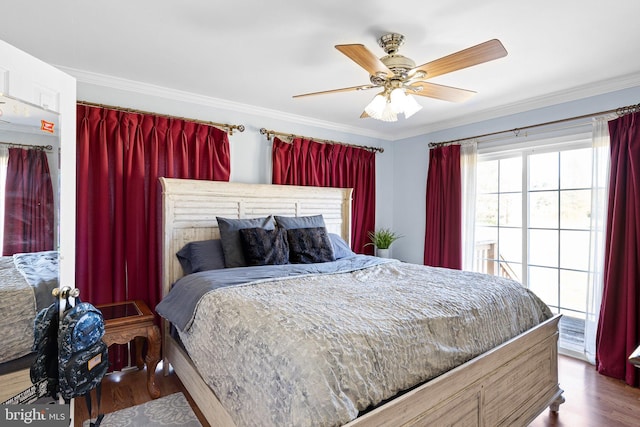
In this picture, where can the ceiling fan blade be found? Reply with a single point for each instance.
(345, 89)
(484, 52)
(364, 115)
(445, 93)
(364, 58)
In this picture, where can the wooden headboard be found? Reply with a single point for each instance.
(190, 208)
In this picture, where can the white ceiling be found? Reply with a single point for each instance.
(261, 53)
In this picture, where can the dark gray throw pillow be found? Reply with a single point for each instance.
(230, 237)
(309, 245)
(291, 222)
(264, 247)
(201, 256)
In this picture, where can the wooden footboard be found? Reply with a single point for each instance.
(507, 386)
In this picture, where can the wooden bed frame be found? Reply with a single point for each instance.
(509, 385)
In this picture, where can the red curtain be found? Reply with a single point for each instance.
(619, 323)
(120, 156)
(443, 235)
(305, 162)
(29, 211)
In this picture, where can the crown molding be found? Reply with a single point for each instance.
(573, 94)
(112, 82)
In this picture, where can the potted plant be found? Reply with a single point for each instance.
(382, 239)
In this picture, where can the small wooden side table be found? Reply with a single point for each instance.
(132, 320)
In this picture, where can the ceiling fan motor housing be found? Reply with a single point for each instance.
(391, 42)
(398, 64)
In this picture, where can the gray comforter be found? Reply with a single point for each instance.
(26, 282)
(317, 349)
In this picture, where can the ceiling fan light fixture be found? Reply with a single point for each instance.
(388, 113)
(376, 106)
(387, 105)
(411, 106)
(381, 108)
(397, 100)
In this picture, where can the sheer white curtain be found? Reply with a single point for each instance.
(599, 197)
(4, 159)
(468, 166)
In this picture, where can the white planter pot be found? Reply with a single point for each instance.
(382, 253)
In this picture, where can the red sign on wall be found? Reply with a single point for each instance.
(46, 126)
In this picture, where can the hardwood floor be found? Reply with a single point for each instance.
(129, 388)
(592, 400)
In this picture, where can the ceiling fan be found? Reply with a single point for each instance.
(398, 76)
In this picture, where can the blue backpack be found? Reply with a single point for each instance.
(70, 354)
(82, 359)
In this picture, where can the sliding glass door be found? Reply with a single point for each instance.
(533, 225)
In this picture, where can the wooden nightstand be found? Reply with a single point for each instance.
(132, 320)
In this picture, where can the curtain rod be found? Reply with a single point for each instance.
(270, 133)
(36, 147)
(227, 127)
(622, 111)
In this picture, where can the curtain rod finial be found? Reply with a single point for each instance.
(239, 128)
(268, 133)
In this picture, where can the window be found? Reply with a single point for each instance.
(533, 225)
